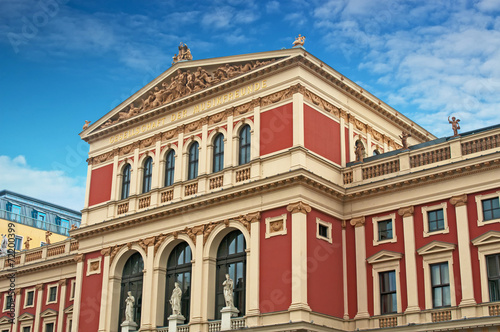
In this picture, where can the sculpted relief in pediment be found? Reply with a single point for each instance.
(181, 84)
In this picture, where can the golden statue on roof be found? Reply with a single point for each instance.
(299, 41)
(184, 54)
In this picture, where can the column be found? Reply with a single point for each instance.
(342, 140)
(147, 288)
(62, 303)
(299, 309)
(38, 310)
(298, 119)
(134, 177)
(17, 308)
(253, 268)
(410, 263)
(79, 259)
(344, 267)
(197, 298)
(255, 147)
(464, 255)
(361, 280)
(369, 150)
(115, 182)
(104, 294)
(203, 163)
(352, 157)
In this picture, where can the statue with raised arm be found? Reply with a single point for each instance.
(175, 299)
(228, 291)
(299, 41)
(404, 139)
(129, 308)
(454, 125)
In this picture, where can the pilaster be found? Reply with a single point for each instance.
(62, 301)
(105, 289)
(361, 280)
(344, 270)
(147, 289)
(78, 292)
(197, 282)
(342, 142)
(298, 119)
(38, 310)
(253, 310)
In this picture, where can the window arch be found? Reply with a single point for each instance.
(179, 270)
(231, 259)
(132, 279)
(147, 175)
(244, 147)
(126, 181)
(193, 161)
(218, 162)
(169, 168)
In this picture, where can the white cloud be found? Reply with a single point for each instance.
(52, 186)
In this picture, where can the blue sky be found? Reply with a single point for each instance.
(64, 62)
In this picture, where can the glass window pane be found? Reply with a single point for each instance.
(435, 275)
(445, 277)
(446, 296)
(437, 297)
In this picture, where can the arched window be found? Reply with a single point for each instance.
(146, 176)
(169, 168)
(218, 164)
(132, 282)
(126, 181)
(193, 161)
(231, 259)
(244, 145)
(179, 270)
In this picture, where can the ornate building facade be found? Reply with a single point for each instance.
(277, 170)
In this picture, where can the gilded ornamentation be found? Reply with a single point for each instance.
(297, 88)
(183, 55)
(360, 125)
(192, 127)
(242, 109)
(216, 118)
(256, 102)
(126, 149)
(358, 222)
(143, 245)
(299, 41)
(18, 291)
(459, 200)
(114, 251)
(323, 104)
(191, 234)
(299, 207)
(129, 245)
(406, 211)
(146, 142)
(208, 229)
(158, 241)
(181, 84)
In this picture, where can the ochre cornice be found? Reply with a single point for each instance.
(459, 200)
(406, 211)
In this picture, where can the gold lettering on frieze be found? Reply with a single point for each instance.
(216, 101)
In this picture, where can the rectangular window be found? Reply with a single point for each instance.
(52, 294)
(18, 242)
(29, 298)
(493, 267)
(8, 302)
(388, 297)
(385, 230)
(436, 220)
(491, 209)
(322, 230)
(49, 327)
(440, 280)
(27, 329)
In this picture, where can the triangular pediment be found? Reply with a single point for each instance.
(4, 320)
(49, 313)
(384, 256)
(436, 247)
(182, 80)
(491, 237)
(26, 316)
(69, 310)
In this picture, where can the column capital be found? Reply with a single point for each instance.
(459, 200)
(78, 258)
(18, 291)
(62, 282)
(39, 287)
(299, 207)
(106, 251)
(406, 211)
(358, 222)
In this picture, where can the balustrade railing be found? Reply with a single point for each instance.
(430, 157)
(494, 309)
(123, 208)
(144, 202)
(481, 144)
(216, 182)
(441, 316)
(243, 174)
(388, 322)
(191, 189)
(167, 196)
(380, 169)
(348, 178)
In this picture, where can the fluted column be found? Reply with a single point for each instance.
(361, 280)
(410, 261)
(460, 203)
(299, 308)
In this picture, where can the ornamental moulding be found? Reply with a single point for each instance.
(358, 222)
(406, 211)
(299, 207)
(459, 200)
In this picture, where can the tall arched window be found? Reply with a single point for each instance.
(231, 259)
(179, 270)
(244, 145)
(193, 161)
(132, 281)
(147, 174)
(126, 181)
(218, 164)
(169, 168)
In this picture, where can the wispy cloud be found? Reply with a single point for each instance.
(50, 185)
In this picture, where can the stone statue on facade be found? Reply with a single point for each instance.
(184, 54)
(228, 291)
(3, 245)
(454, 125)
(299, 41)
(47, 237)
(175, 299)
(404, 139)
(360, 151)
(129, 308)
(86, 125)
(27, 243)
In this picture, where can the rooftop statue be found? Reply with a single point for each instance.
(184, 54)
(299, 41)
(454, 125)
(404, 139)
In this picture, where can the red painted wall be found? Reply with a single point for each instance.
(100, 184)
(395, 247)
(52, 306)
(275, 266)
(276, 129)
(321, 134)
(324, 267)
(91, 297)
(30, 310)
(352, 290)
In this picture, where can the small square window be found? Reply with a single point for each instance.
(323, 230)
(18, 242)
(491, 209)
(30, 296)
(436, 220)
(385, 230)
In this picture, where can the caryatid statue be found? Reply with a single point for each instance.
(175, 300)
(228, 291)
(129, 308)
